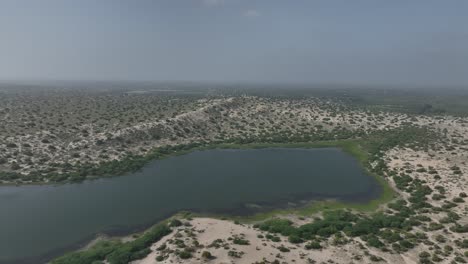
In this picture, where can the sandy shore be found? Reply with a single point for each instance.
(203, 231)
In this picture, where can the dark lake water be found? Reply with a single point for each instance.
(40, 221)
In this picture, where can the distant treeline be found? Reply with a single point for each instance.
(420, 100)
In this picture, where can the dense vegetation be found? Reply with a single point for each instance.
(116, 252)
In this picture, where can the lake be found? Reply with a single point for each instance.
(38, 222)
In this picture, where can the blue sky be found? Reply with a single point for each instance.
(302, 41)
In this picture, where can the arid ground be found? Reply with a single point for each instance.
(70, 135)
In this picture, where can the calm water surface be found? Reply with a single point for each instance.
(39, 221)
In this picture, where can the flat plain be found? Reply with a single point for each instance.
(414, 143)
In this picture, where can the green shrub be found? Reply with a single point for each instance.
(459, 259)
(281, 226)
(185, 254)
(96, 253)
(240, 241)
(273, 238)
(375, 258)
(440, 238)
(424, 254)
(295, 239)
(234, 254)
(175, 223)
(162, 247)
(374, 241)
(436, 258)
(313, 245)
(283, 249)
(206, 255)
(459, 228)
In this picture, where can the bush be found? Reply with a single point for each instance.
(97, 253)
(185, 254)
(459, 228)
(175, 223)
(435, 226)
(282, 226)
(273, 238)
(234, 254)
(463, 243)
(390, 236)
(11, 145)
(240, 241)
(295, 239)
(436, 258)
(374, 241)
(406, 244)
(424, 254)
(313, 245)
(283, 249)
(375, 258)
(161, 247)
(15, 166)
(207, 255)
(440, 238)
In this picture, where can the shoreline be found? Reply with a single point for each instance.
(350, 146)
(126, 232)
(313, 206)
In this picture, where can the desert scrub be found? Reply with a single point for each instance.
(282, 248)
(240, 241)
(313, 245)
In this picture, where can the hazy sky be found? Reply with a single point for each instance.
(318, 41)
